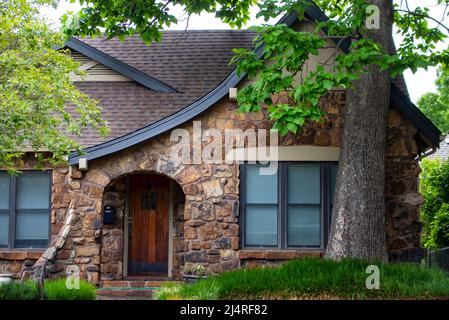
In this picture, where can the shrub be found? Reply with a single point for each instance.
(434, 186)
(57, 290)
(439, 228)
(19, 291)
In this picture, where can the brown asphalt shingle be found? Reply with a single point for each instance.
(193, 62)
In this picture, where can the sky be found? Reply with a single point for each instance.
(418, 84)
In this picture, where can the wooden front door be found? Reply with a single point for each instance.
(148, 225)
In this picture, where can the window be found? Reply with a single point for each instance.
(24, 210)
(290, 209)
(261, 208)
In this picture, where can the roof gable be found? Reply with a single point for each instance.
(119, 66)
(192, 60)
(94, 71)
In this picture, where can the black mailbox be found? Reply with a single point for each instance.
(108, 215)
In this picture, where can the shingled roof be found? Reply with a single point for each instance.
(193, 62)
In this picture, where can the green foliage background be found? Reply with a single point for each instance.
(435, 105)
(40, 107)
(434, 186)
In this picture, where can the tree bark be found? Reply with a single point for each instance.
(358, 217)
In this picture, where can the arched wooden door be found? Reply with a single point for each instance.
(148, 225)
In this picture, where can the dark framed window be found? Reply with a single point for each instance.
(25, 210)
(290, 209)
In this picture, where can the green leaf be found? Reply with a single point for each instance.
(299, 121)
(328, 84)
(292, 127)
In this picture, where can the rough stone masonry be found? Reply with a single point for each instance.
(206, 218)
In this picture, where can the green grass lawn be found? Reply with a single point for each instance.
(53, 290)
(57, 290)
(316, 279)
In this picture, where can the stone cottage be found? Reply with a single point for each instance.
(127, 209)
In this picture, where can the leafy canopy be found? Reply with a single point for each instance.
(436, 105)
(280, 67)
(35, 88)
(121, 18)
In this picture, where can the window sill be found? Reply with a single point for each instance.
(20, 254)
(278, 254)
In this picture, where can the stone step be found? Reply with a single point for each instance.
(125, 293)
(129, 289)
(122, 298)
(134, 283)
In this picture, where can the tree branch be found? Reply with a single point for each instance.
(9, 46)
(419, 15)
(185, 30)
(157, 16)
(337, 47)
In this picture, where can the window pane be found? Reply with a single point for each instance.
(4, 228)
(4, 190)
(303, 225)
(261, 225)
(33, 191)
(260, 188)
(32, 229)
(304, 183)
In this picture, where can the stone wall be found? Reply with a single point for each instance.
(60, 199)
(203, 238)
(206, 212)
(112, 240)
(403, 224)
(179, 245)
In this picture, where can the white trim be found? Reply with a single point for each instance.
(83, 164)
(232, 94)
(88, 65)
(289, 153)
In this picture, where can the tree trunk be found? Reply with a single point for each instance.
(358, 217)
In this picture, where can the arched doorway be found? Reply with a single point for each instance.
(148, 225)
(148, 210)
